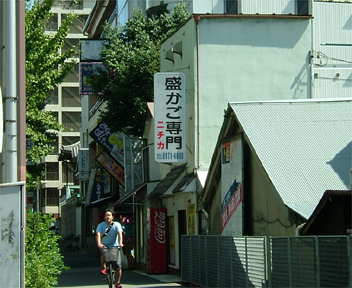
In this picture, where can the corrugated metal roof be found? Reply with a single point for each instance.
(304, 145)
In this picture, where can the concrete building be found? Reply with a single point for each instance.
(240, 51)
(60, 186)
(241, 57)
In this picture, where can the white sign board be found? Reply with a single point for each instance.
(169, 113)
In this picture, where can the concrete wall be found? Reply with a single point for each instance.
(240, 59)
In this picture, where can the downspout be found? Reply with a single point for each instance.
(21, 86)
(10, 93)
(197, 19)
(206, 214)
(298, 229)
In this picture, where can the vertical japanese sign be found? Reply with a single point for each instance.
(231, 187)
(191, 219)
(169, 111)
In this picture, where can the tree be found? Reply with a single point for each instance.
(132, 57)
(43, 259)
(45, 69)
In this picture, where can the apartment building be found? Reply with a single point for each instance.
(65, 103)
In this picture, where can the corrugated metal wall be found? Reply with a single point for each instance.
(309, 261)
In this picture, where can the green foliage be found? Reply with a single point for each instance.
(132, 58)
(45, 69)
(43, 261)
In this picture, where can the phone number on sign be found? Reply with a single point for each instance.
(170, 155)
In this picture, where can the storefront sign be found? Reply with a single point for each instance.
(191, 219)
(110, 141)
(112, 167)
(86, 71)
(169, 111)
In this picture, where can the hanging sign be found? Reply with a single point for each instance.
(169, 111)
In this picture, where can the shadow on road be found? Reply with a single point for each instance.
(85, 272)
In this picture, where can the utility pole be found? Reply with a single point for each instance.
(10, 93)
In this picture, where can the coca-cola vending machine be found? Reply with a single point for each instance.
(156, 241)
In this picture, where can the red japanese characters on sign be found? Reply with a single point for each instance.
(169, 110)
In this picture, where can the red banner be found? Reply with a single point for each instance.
(156, 231)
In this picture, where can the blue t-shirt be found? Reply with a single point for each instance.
(112, 239)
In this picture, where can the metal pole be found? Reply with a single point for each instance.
(10, 93)
(21, 86)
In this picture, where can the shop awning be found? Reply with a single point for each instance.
(129, 194)
(171, 180)
(100, 200)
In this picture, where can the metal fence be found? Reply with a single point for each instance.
(306, 261)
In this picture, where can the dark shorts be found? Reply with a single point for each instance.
(112, 255)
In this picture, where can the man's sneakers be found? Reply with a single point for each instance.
(103, 271)
(118, 285)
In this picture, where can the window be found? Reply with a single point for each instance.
(71, 121)
(53, 97)
(78, 23)
(52, 24)
(67, 141)
(73, 75)
(68, 4)
(55, 115)
(52, 171)
(302, 7)
(231, 6)
(67, 172)
(52, 197)
(70, 97)
(55, 146)
(70, 43)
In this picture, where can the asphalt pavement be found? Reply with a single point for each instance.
(85, 268)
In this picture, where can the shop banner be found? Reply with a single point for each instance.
(86, 71)
(110, 141)
(112, 167)
(169, 114)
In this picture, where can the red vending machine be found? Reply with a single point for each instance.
(156, 241)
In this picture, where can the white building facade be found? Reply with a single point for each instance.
(241, 51)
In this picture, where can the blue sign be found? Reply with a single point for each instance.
(86, 71)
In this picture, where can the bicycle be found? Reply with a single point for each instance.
(110, 255)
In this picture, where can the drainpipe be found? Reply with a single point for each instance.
(207, 219)
(21, 72)
(298, 229)
(10, 94)
(197, 19)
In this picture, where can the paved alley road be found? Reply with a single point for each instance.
(84, 273)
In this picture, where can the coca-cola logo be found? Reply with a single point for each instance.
(160, 224)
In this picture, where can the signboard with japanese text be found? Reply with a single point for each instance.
(86, 70)
(191, 219)
(169, 111)
(110, 141)
(98, 186)
(232, 187)
(112, 167)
